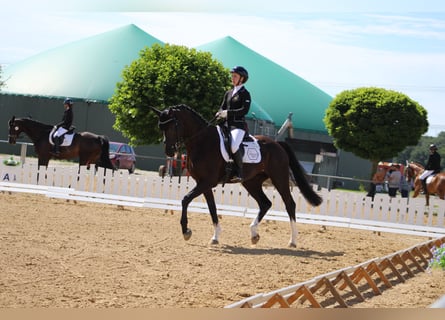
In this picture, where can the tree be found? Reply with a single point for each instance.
(375, 123)
(163, 76)
(2, 83)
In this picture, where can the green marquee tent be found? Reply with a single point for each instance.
(85, 69)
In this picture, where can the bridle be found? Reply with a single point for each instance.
(16, 129)
(180, 141)
(412, 170)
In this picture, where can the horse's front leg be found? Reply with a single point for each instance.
(210, 199)
(417, 186)
(43, 161)
(196, 191)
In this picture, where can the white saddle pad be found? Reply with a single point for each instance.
(67, 138)
(252, 152)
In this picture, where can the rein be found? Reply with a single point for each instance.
(179, 141)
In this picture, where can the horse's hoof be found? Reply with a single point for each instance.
(187, 235)
(292, 245)
(255, 239)
(214, 242)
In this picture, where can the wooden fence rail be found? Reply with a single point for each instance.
(349, 285)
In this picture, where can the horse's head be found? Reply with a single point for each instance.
(412, 170)
(171, 129)
(178, 123)
(409, 173)
(14, 130)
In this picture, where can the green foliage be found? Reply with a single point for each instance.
(161, 77)
(438, 259)
(420, 152)
(2, 83)
(375, 123)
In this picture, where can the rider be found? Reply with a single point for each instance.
(64, 125)
(432, 166)
(234, 107)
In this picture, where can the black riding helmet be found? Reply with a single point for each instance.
(68, 101)
(433, 147)
(242, 72)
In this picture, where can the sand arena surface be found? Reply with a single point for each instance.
(55, 253)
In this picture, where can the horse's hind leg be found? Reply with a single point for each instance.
(255, 189)
(283, 188)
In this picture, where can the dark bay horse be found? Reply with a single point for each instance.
(435, 185)
(181, 125)
(88, 147)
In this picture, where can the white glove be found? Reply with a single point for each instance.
(222, 114)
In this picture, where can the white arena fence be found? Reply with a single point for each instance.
(339, 208)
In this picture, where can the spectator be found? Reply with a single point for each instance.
(377, 178)
(405, 187)
(394, 180)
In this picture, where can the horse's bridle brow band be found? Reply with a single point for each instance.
(166, 121)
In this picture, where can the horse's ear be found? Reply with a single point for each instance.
(158, 112)
(12, 120)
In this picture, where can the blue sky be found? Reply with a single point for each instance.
(336, 45)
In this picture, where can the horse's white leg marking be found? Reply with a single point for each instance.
(217, 232)
(254, 227)
(294, 233)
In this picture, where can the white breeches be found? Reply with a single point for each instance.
(237, 138)
(425, 174)
(60, 131)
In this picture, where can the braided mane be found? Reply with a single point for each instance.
(183, 107)
(29, 121)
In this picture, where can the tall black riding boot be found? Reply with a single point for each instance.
(424, 186)
(57, 142)
(238, 160)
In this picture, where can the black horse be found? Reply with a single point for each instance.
(88, 147)
(182, 125)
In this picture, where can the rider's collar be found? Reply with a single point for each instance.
(236, 89)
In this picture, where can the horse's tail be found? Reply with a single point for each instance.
(105, 161)
(300, 178)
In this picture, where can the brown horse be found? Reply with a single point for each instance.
(435, 184)
(181, 125)
(88, 147)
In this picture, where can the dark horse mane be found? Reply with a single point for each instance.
(181, 107)
(41, 125)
